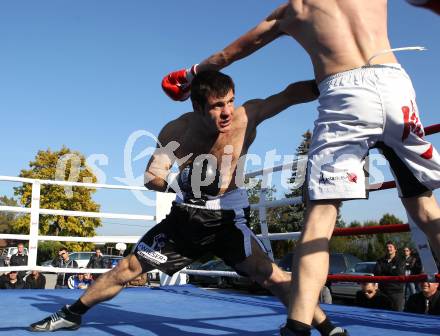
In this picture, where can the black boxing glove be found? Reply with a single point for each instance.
(205, 178)
(180, 182)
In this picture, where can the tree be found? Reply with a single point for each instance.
(389, 219)
(370, 247)
(61, 165)
(292, 216)
(7, 219)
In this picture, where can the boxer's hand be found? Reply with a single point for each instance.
(177, 84)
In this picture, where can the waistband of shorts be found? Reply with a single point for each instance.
(373, 68)
(231, 200)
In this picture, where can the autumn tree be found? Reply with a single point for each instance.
(60, 165)
(370, 247)
(7, 219)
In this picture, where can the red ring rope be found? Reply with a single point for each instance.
(382, 279)
(432, 129)
(362, 230)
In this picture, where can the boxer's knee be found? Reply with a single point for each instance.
(126, 270)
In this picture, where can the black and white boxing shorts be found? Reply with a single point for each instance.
(220, 227)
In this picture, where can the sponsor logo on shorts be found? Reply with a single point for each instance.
(412, 124)
(334, 179)
(146, 252)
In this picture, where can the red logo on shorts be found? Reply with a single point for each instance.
(352, 177)
(412, 124)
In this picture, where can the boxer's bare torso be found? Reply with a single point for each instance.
(227, 147)
(339, 34)
(226, 135)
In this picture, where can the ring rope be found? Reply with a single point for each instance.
(383, 279)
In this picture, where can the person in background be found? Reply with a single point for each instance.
(13, 281)
(425, 302)
(63, 261)
(392, 265)
(80, 281)
(19, 259)
(96, 261)
(36, 280)
(370, 297)
(412, 266)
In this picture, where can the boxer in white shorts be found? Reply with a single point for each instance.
(372, 106)
(360, 109)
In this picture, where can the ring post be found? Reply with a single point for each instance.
(34, 224)
(263, 217)
(422, 246)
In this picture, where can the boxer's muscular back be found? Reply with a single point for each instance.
(339, 34)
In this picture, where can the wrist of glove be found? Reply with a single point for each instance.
(196, 181)
(177, 84)
(179, 183)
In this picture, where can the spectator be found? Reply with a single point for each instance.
(63, 261)
(19, 259)
(425, 302)
(3, 279)
(412, 266)
(13, 281)
(392, 265)
(370, 297)
(325, 296)
(80, 281)
(36, 280)
(96, 260)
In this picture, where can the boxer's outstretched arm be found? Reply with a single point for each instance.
(296, 93)
(177, 83)
(262, 34)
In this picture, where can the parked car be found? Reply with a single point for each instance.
(207, 280)
(339, 262)
(347, 290)
(7, 252)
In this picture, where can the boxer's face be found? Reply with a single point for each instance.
(219, 112)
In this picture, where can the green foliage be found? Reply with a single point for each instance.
(62, 164)
(7, 219)
(370, 247)
(389, 219)
(273, 218)
(286, 218)
(48, 250)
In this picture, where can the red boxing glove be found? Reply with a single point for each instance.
(177, 84)
(433, 5)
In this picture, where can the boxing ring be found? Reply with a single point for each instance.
(188, 310)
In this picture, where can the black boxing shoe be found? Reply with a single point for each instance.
(338, 331)
(62, 319)
(284, 331)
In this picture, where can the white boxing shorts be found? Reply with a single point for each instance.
(371, 106)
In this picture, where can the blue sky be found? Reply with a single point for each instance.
(86, 74)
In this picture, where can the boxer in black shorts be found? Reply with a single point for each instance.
(211, 213)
